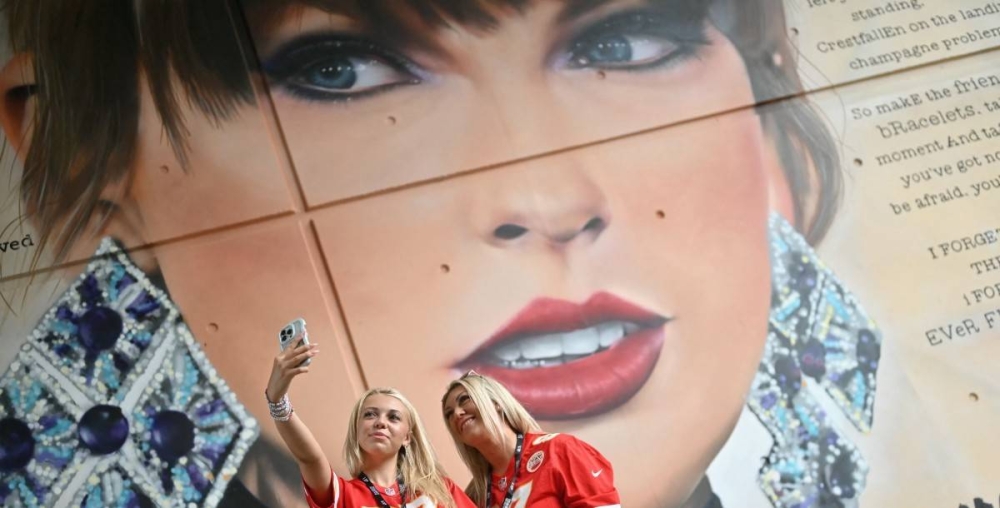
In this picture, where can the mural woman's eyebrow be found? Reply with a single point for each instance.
(687, 9)
(399, 23)
(578, 8)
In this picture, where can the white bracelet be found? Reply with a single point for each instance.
(282, 410)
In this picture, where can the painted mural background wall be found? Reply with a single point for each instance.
(751, 245)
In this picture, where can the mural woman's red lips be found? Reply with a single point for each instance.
(566, 360)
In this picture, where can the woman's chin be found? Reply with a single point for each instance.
(376, 451)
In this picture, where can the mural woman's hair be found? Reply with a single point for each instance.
(89, 60)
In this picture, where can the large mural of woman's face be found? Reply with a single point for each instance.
(617, 288)
(608, 206)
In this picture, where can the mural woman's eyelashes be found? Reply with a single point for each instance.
(335, 67)
(636, 40)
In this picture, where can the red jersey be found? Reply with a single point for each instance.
(355, 494)
(558, 470)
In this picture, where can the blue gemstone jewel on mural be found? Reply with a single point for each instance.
(172, 435)
(99, 328)
(812, 358)
(119, 404)
(103, 429)
(17, 446)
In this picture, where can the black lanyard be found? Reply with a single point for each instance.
(378, 496)
(518, 451)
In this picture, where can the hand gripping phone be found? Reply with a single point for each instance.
(294, 334)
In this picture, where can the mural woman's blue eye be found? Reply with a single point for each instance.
(337, 74)
(334, 69)
(340, 74)
(636, 40)
(609, 48)
(618, 51)
(342, 77)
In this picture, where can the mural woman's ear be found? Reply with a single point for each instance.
(119, 217)
(17, 91)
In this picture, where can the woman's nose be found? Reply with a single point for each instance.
(553, 202)
(556, 232)
(456, 417)
(550, 200)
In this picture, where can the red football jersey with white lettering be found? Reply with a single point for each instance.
(558, 470)
(355, 494)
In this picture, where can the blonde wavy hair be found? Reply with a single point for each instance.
(487, 392)
(422, 473)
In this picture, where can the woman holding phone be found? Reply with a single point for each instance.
(386, 448)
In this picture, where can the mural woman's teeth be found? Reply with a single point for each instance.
(558, 348)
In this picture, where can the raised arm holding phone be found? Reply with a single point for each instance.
(386, 449)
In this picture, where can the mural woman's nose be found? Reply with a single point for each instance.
(557, 204)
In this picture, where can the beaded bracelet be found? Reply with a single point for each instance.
(280, 411)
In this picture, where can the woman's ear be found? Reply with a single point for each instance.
(116, 215)
(17, 94)
(123, 221)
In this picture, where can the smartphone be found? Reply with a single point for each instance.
(294, 334)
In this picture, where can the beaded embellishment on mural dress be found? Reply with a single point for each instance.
(112, 403)
(820, 336)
